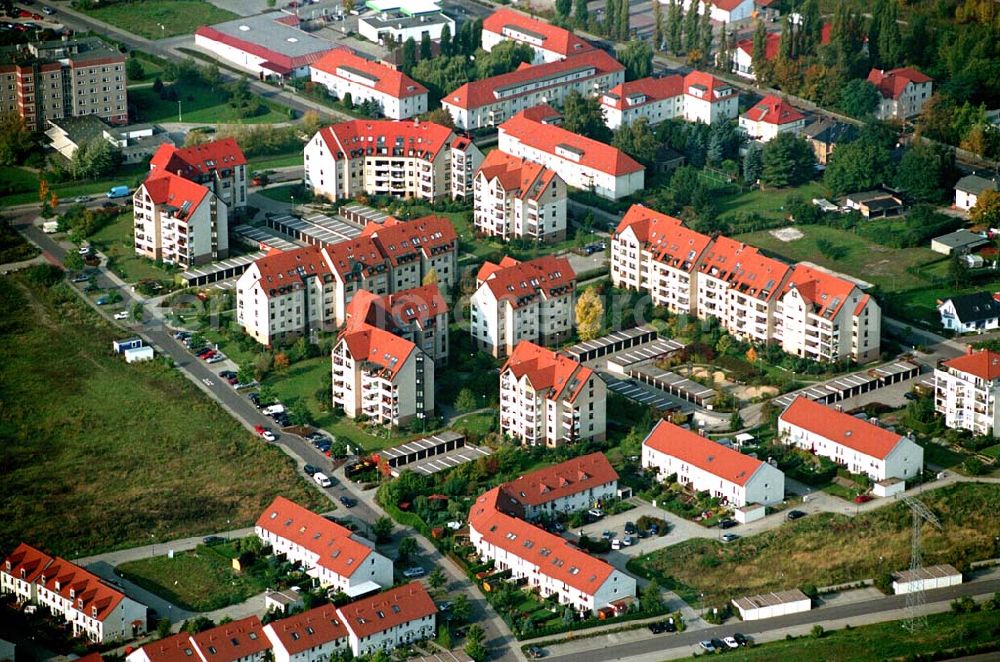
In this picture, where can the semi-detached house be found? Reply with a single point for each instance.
(329, 553)
(310, 636)
(576, 484)
(695, 97)
(491, 101)
(770, 117)
(342, 72)
(549, 42)
(402, 615)
(706, 466)
(860, 446)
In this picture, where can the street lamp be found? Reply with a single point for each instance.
(152, 536)
(179, 119)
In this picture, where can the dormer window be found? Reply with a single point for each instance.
(93, 612)
(72, 593)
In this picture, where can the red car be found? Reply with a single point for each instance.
(863, 498)
(259, 429)
(207, 355)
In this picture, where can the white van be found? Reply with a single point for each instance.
(322, 480)
(273, 409)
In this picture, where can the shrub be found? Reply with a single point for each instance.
(817, 631)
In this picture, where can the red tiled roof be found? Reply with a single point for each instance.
(89, 592)
(232, 641)
(702, 453)
(174, 648)
(826, 292)
(553, 555)
(555, 39)
(560, 377)
(478, 93)
(521, 283)
(727, 5)
(547, 137)
(772, 45)
(309, 629)
(561, 480)
(358, 257)
(283, 271)
(388, 609)
(284, 61)
(714, 87)
(198, 159)
(841, 428)
(984, 364)
(654, 89)
(406, 138)
(383, 348)
(167, 189)
(670, 242)
(773, 110)
(892, 83)
(521, 177)
(27, 559)
(400, 241)
(744, 268)
(418, 304)
(858, 309)
(336, 549)
(382, 78)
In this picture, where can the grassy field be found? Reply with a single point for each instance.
(275, 161)
(199, 103)
(100, 455)
(199, 580)
(116, 241)
(829, 549)
(885, 267)
(13, 246)
(480, 424)
(281, 193)
(953, 633)
(159, 19)
(768, 204)
(26, 182)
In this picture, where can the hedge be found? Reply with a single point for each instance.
(593, 623)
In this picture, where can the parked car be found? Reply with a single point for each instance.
(414, 572)
(660, 627)
(226, 374)
(182, 335)
(211, 540)
(80, 199)
(217, 358)
(863, 498)
(629, 527)
(718, 644)
(727, 523)
(259, 429)
(81, 278)
(731, 642)
(741, 639)
(310, 470)
(707, 646)
(103, 301)
(534, 652)
(628, 540)
(348, 502)
(596, 513)
(254, 399)
(84, 250)
(121, 315)
(654, 529)
(729, 537)
(607, 535)
(794, 515)
(48, 11)
(616, 543)
(322, 479)
(269, 436)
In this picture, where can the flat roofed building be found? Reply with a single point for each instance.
(770, 605)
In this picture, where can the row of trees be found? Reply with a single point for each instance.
(443, 74)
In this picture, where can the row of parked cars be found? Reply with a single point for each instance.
(722, 645)
(205, 353)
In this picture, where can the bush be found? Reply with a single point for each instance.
(817, 631)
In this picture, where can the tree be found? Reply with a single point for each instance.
(425, 46)
(859, 98)
(637, 56)
(281, 361)
(650, 598)
(885, 42)
(926, 172)
(133, 69)
(466, 400)
(445, 43)
(163, 628)
(563, 7)
(858, 166)
(691, 27)
(637, 140)
(623, 19)
(382, 529)
(73, 261)
(958, 271)
(735, 421)
(812, 27)
(15, 139)
(589, 314)
(581, 13)
(986, 211)
(583, 115)
(409, 56)
(753, 163)
(758, 58)
(440, 116)
(705, 38)
(674, 27)
(657, 25)
(437, 579)
(724, 58)
(461, 609)
(788, 161)
(723, 142)
(407, 548)
(430, 278)
(475, 634)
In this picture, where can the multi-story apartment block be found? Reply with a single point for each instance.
(491, 101)
(706, 466)
(708, 99)
(92, 609)
(770, 117)
(311, 636)
(582, 163)
(406, 159)
(810, 312)
(549, 42)
(178, 221)
(576, 484)
(329, 553)
(220, 165)
(419, 315)
(381, 376)
(904, 92)
(966, 391)
(288, 294)
(50, 80)
(860, 446)
(546, 561)
(550, 399)
(517, 301)
(402, 615)
(518, 199)
(343, 72)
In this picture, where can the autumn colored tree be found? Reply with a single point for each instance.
(589, 314)
(987, 209)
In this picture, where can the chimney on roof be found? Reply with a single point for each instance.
(969, 350)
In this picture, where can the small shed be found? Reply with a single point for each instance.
(925, 579)
(749, 513)
(129, 343)
(139, 354)
(744, 439)
(875, 204)
(282, 601)
(888, 487)
(960, 242)
(769, 605)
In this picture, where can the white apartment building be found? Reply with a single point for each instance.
(770, 117)
(330, 554)
(549, 42)
(381, 376)
(860, 446)
(706, 466)
(491, 101)
(518, 199)
(904, 92)
(547, 561)
(343, 72)
(722, 11)
(93, 610)
(810, 312)
(550, 399)
(517, 301)
(402, 615)
(220, 165)
(696, 97)
(419, 315)
(581, 162)
(310, 636)
(966, 390)
(405, 159)
(179, 222)
(576, 484)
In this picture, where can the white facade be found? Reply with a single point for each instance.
(409, 632)
(696, 97)
(904, 92)
(533, 208)
(767, 131)
(926, 578)
(966, 390)
(722, 11)
(983, 321)
(772, 605)
(381, 26)
(174, 234)
(549, 42)
(342, 73)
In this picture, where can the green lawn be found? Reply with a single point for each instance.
(15, 180)
(27, 182)
(828, 549)
(479, 424)
(920, 305)
(199, 580)
(13, 246)
(199, 103)
(116, 241)
(275, 161)
(99, 455)
(768, 203)
(282, 193)
(159, 19)
(880, 265)
(960, 634)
